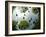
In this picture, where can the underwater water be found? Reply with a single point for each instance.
(25, 18)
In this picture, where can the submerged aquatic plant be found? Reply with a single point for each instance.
(14, 25)
(23, 25)
(35, 10)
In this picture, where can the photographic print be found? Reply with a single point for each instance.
(24, 18)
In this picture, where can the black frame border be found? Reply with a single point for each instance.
(6, 18)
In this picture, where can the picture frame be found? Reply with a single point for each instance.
(8, 18)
